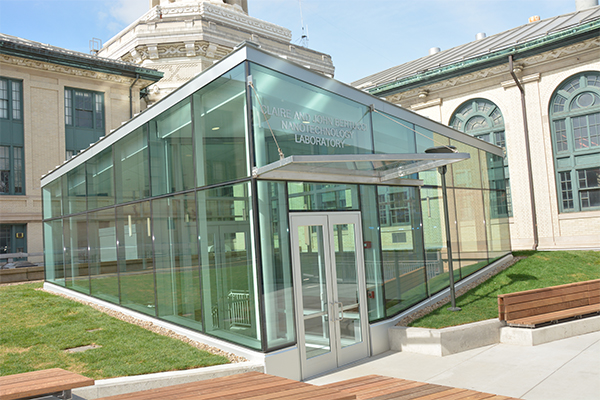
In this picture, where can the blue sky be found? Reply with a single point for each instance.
(362, 36)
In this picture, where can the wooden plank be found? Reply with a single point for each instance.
(510, 298)
(42, 382)
(531, 322)
(350, 383)
(204, 386)
(413, 393)
(294, 390)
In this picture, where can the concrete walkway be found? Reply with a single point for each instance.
(567, 369)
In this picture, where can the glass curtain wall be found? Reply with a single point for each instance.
(168, 221)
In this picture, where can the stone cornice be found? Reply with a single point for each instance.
(531, 63)
(51, 67)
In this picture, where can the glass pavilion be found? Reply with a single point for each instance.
(274, 209)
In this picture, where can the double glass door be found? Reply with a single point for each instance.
(329, 281)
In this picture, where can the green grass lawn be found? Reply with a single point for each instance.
(538, 270)
(36, 327)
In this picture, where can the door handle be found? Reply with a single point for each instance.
(341, 310)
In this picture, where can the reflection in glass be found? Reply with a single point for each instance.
(434, 232)
(52, 197)
(305, 119)
(314, 290)
(171, 150)
(76, 254)
(466, 173)
(277, 273)
(471, 230)
(370, 223)
(53, 252)
(100, 180)
(402, 247)
(228, 269)
(102, 236)
(220, 129)
(75, 191)
(136, 267)
(322, 197)
(176, 257)
(348, 305)
(132, 166)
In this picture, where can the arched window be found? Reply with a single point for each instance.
(483, 119)
(575, 125)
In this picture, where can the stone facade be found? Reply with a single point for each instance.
(183, 38)
(43, 86)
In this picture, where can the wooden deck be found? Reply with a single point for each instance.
(259, 386)
(377, 387)
(247, 386)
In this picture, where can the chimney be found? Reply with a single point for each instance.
(434, 50)
(480, 35)
(581, 5)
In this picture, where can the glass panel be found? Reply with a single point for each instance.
(434, 231)
(171, 150)
(75, 194)
(76, 254)
(314, 290)
(275, 254)
(220, 129)
(322, 197)
(580, 132)
(466, 173)
(344, 242)
(68, 107)
(471, 230)
(566, 190)
(99, 110)
(102, 237)
(18, 168)
(393, 135)
(425, 140)
(5, 169)
(303, 119)
(176, 256)
(53, 252)
(402, 247)
(372, 244)
(589, 179)
(3, 99)
(131, 166)
(100, 180)
(135, 262)
(228, 268)
(52, 193)
(498, 233)
(83, 110)
(16, 100)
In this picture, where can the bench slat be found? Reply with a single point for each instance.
(531, 322)
(38, 383)
(553, 291)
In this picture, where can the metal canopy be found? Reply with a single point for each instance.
(387, 169)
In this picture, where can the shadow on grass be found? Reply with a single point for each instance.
(493, 292)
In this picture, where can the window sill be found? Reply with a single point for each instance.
(580, 214)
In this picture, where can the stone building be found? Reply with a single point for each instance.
(184, 37)
(534, 90)
(53, 104)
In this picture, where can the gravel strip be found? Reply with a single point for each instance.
(154, 328)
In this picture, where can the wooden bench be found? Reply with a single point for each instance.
(56, 382)
(533, 308)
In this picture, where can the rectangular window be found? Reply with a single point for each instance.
(561, 135)
(84, 119)
(3, 99)
(68, 107)
(589, 187)
(11, 170)
(566, 189)
(594, 127)
(16, 101)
